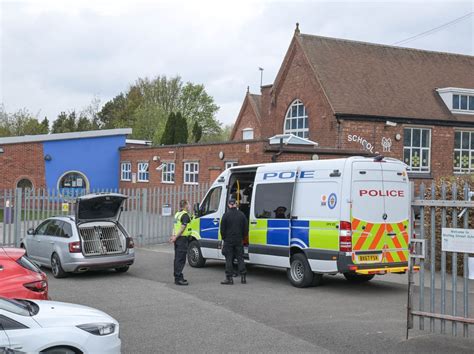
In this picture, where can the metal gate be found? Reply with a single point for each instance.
(439, 294)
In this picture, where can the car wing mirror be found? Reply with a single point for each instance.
(31, 231)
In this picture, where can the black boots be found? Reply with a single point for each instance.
(228, 281)
(243, 279)
(181, 282)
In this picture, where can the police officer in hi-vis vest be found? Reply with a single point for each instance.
(180, 239)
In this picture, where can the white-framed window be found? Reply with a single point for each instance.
(463, 152)
(167, 173)
(463, 102)
(125, 171)
(143, 174)
(296, 120)
(229, 164)
(247, 134)
(416, 149)
(191, 172)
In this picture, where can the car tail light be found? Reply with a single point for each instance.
(130, 243)
(37, 286)
(75, 247)
(345, 236)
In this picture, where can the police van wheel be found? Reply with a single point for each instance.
(358, 278)
(195, 258)
(300, 273)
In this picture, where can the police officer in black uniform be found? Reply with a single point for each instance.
(234, 226)
(180, 239)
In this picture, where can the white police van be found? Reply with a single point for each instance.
(347, 216)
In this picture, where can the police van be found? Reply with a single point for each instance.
(348, 216)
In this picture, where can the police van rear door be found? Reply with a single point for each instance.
(368, 212)
(270, 213)
(397, 210)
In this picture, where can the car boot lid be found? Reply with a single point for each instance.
(99, 207)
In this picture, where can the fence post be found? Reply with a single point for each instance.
(17, 217)
(144, 215)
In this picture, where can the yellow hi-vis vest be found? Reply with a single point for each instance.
(177, 223)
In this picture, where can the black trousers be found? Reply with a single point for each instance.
(180, 252)
(231, 251)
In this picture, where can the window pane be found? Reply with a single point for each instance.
(300, 123)
(273, 200)
(425, 135)
(406, 156)
(465, 159)
(294, 111)
(293, 124)
(287, 124)
(457, 140)
(300, 110)
(415, 157)
(407, 137)
(416, 137)
(425, 158)
(471, 103)
(306, 123)
(457, 158)
(465, 140)
(455, 101)
(464, 102)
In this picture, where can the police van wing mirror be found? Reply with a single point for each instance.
(196, 210)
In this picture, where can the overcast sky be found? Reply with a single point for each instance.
(58, 55)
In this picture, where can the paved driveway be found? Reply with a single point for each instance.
(266, 315)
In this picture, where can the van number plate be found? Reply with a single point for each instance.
(368, 258)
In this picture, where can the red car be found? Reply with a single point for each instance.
(19, 277)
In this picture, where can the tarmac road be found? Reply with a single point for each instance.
(266, 315)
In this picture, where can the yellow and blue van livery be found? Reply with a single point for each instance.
(347, 216)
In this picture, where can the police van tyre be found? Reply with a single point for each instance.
(195, 258)
(300, 273)
(358, 278)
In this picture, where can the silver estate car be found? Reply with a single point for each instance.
(93, 239)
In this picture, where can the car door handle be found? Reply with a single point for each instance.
(253, 222)
(51, 242)
(216, 220)
(391, 234)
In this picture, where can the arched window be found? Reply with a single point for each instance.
(24, 183)
(73, 184)
(296, 120)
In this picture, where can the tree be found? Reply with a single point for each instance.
(222, 136)
(181, 130)
(159, 97)
(21, 122)
(197, 132)
(168, 137)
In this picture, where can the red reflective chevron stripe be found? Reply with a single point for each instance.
(363, 237)
(396, 243)
(355, 223)
(377, 238)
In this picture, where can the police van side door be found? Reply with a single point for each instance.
(210, 213)
(270, 215)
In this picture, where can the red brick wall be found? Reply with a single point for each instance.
(19, 161)
(248, 119)
(298, 82)
(210, 165)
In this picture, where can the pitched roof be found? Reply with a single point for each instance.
(378, 80)
(256, 102)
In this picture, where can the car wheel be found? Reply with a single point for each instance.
(300, 273)
(358, 278)
(61, 350)
(195, 258)
(122, 269)
(56, 268)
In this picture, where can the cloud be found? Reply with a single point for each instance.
(58, 55)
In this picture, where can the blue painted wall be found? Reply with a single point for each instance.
(97, 158)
